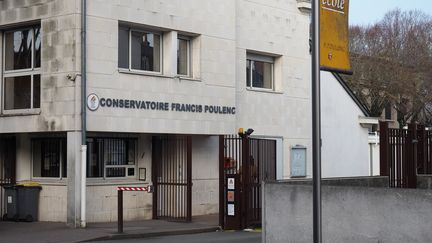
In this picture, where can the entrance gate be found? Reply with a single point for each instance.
(244, 164)
(172, 178)
(7, 167)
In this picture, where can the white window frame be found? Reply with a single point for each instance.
(265, 59)
(61, 177)
(189, 56)
(105, 166)
(130, 51)
(20, 72)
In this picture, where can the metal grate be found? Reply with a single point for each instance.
(424, 138)
(7, 168)
(399, 152)
(253, 161)
(172, 178)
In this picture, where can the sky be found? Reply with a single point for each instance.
(364, 12)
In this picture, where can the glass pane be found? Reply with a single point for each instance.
(115, 152)
(145, 51)
(123, 50)
(94, 159)
(262, 75)
(36, 91)
(131, 152)
(131, 171)
(116, 172)
(64, 157)
(37, 57)
(17, 93)
(248, 73)
(182, 57)
(46, 158)
(18, 51)
(37, 158)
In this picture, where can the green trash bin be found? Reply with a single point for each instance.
(22, 202)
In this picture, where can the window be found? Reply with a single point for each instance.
(21, 69)
(139, 50)
(110, 157)
(49, 158)
(183, 56)
(259, 72)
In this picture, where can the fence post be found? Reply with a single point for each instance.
(244, 181)
(421, 159)
(189, 178)
(410, 167)
(221, 180)
(384, 144)
(120, 211)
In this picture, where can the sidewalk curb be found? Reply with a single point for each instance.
(125, 236)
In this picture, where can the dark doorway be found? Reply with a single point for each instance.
(244, 164)
(7, 167)
(172, 178)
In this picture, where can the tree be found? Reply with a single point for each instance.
(392, 64)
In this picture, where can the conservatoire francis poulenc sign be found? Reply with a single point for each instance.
(94, 102)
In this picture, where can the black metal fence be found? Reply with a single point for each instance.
(172, 178)
(404, 153)
(7, 168)
(424, 150)
(251, 161)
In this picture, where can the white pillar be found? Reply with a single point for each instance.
(74, 182)
(83, 184)
(170, 53)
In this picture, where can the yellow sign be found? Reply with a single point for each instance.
(334, 39)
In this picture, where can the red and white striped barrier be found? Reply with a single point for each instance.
(144, 189)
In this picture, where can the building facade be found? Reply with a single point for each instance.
(165, 68)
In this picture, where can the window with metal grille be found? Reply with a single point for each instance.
(49, 158)
(111, 157)
(21, 69)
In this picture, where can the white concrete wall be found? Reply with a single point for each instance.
(280, 29)
(60, 31)
(223, 33)
(214, 28)
(205, 175)
(345, 149)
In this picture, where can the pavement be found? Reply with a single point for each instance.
(213, 237)
(45, 232)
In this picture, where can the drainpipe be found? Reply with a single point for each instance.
(83, 111)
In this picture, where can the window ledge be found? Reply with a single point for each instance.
(114, 182)
(150, 74)
(126, 71)
(264, 91)
(50, 181)
(188, 78)
(30, 112)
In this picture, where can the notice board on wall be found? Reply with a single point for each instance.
(298, 161)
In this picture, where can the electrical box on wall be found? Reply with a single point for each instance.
(298, 161)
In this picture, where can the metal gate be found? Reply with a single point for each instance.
(7, 167)
(424, 150)
(244, 162)
(172, 178)
(398, 155)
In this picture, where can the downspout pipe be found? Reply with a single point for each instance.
(83, 111)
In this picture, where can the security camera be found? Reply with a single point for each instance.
(249, 132)
(72, 77)
(245, 134)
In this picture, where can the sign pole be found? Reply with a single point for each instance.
(316, 122)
